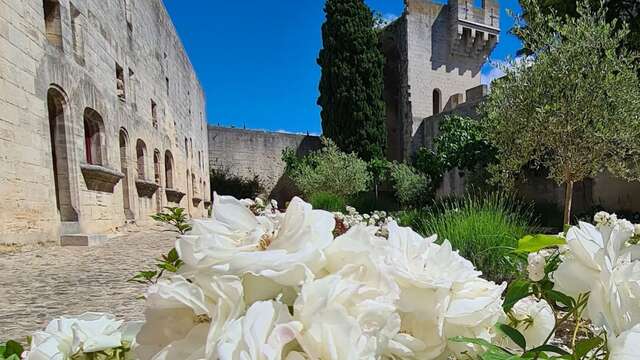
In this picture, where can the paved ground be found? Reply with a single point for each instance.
(40, 284)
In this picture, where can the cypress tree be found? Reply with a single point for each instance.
(352, 82)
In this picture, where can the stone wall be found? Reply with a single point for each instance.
(603, 191)
(247, 153)
(82, 84)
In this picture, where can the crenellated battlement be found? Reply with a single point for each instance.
(474, 30)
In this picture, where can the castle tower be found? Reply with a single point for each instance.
(434, 54)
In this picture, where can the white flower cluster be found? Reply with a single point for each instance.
(66, 337)
(282, 287)
(353, 218)
(535, 267)
(603, 262)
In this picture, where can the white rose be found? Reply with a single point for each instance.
(535, 267)
(535, 321)
(179, 316)
(261, 334)
(474, 310)
(344, 318)
(613, 302)
(441, 295)
(625, 346)
(582, 263)
(66, 336)
(285, 251)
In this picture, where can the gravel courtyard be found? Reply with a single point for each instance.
(40, 284)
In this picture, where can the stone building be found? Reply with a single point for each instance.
(102, 119)
(434, 54)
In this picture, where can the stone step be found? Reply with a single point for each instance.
(82, 239)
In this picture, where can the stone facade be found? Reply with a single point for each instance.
(434, 54)
(248, 153)
(102, 118)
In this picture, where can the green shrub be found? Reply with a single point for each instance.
(328, 170)
(410, 186)
(483, 228)
(327, 201)
(224, 182)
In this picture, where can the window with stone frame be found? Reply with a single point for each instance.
(53, 22)
(154, 114)
(141, 153)
(94, 137)
(168, 169)
(120, 85)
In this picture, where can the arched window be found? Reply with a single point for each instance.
(186, 147)
(141, 151)
(194, 186)
(437, 101)
(93, 137)
(168, 169)
(156, 166)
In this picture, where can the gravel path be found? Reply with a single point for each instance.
(41, 284)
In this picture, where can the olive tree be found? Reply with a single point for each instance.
(572, 106)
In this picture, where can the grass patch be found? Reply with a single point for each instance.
(327, 201)
(484, 228)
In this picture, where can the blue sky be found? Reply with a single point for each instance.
(257, 59)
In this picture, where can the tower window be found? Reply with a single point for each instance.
(437, 101)
(167, 83)
(53, 23)
(120, 90)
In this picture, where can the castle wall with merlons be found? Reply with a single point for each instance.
(100, 113)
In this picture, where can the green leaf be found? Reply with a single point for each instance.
(517, 290)
(535, 243)
(13, 348)
(513, 334)
(545, 348)
(583, 347)
(481, 342)
(559, 297)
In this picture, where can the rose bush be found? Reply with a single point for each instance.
(252, 282)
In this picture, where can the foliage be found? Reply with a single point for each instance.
(573, 107)
(352, 81)
(328, 170)
(11, 350)
(431, 164)
(174, 216)
(171, 262)
(462, 143)
(327, 201)
(410, 186)
(120, 353)
(224, 182)
(618, 11)
(483, 228)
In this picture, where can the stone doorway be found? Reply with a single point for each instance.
(57, 106)
(124, 167)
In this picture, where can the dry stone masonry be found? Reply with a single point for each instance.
(102, 119)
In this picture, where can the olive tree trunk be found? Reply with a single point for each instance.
(568, 198)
